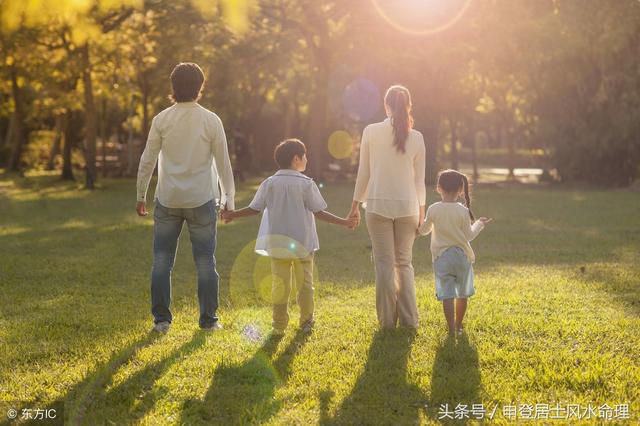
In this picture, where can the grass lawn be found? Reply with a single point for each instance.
(556, 317)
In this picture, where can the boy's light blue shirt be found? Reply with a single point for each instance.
(288, 200)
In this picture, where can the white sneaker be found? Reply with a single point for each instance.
(213, 327)
(277, 332)
(307, 327)
(161, 327)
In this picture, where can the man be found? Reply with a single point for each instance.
(191, 145)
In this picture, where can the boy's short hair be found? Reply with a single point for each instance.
(286, 150)
(187, 81)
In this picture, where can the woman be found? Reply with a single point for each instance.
(391, 185)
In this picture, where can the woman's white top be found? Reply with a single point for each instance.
(391, 183)
(288, 200)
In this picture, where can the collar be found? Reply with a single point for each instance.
(291, 172)
(190, 104)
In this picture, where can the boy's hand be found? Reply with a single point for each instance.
(141, 208)
(351, 222)
(226, 215)
(485, 220)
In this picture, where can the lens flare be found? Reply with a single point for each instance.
(340, 144)
(361, 99)
(421, 17)
(251, 281)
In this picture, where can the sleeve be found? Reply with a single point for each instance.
(471, 231)
(362, 181)
(427, 226)
(148, 160)
(419, 172)
(223, 166)
(313, 198)
(259, 202)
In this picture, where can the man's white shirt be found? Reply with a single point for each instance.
(190, 145)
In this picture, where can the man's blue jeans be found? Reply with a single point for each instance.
(167, 226)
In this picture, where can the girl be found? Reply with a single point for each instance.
(449, 223)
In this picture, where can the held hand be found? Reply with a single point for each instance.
(351, 223)
(141, 208)
(226, 215)
(485, 220)
(355, 215)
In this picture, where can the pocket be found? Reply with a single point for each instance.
(205, 214)
(159, 210)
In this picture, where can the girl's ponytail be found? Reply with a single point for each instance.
(467, 199)
(398, 99)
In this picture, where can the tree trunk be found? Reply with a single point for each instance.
(18, 129)
(103, 135)
(55, 148)
(474, 157)
(69, 139)
(90, 120)
(130, 148)
(453, 126)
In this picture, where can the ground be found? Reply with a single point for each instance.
(556, 317)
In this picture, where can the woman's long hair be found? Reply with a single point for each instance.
(398, 100)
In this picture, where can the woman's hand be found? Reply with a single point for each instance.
(421, 217)
(354, 214)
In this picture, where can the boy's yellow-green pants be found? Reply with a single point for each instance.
(284, 273)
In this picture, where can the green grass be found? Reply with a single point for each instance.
(555, 318)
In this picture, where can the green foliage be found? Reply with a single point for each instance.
(558, 76)
(555, 318)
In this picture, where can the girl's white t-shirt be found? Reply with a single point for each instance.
(450, 226)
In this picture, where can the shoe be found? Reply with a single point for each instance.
(277, 332)
(212, 327)
(307, 326)
(161, 327)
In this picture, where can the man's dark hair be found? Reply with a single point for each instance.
(187, 80)
(286, 150)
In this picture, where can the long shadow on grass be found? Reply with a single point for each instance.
(455, 379)
(382, 394)
(244, 393)
(80, 397)
(137, 395)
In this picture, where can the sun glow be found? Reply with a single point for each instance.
(421, 17)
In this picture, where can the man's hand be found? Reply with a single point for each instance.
(141, 208)
(485, 220)
(226, 214)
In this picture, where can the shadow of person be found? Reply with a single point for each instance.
(381, 394)
(244, 393)
(455, 381)
(139, 393)
(78, 399)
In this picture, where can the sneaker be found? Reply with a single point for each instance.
(307, 327)
(277, 332)
(161, 327)
(212, 327)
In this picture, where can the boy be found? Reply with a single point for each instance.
(289, 201)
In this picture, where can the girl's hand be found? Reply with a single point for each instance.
(485, 220)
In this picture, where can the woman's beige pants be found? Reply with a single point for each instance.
(392, 242)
